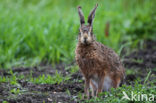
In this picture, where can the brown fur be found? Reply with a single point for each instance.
(99, 59)
(95, 59)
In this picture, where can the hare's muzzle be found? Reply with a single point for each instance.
(86, 38)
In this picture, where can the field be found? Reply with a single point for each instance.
(37, 49)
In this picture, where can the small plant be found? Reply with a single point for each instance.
(15, 91)
(4, 102)
(137, 60)
(68, 92)
(72, 69)
(3, 79)
(48, 79)
(13, 79)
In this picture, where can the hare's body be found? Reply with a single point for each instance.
(100, 65)
(96, 62)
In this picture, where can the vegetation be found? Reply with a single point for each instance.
(116, 95)
(36, 32)
(45, 31)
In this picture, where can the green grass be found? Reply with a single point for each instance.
(45, 31)
(115, 95)
(33, 31)
(48, 79)
(4, 102)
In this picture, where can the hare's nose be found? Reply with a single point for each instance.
(85, 39)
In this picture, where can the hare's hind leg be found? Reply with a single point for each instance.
(100, 85)
(117, 82)
(93, 87)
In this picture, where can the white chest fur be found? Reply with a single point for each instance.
(107, 82)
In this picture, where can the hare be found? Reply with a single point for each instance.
(100, 65)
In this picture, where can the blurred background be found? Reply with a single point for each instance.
(35, 31)
(38, 40)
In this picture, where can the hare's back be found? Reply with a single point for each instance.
(109, 56)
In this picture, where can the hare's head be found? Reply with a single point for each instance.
(86, 31)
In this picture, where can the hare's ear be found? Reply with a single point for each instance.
(82, 20)
(92, 15)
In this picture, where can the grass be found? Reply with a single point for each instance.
(42, 79)
(48, 79)
(44, 31)
(32, 32)
(133, 92)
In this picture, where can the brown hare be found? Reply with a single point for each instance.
(100, 65)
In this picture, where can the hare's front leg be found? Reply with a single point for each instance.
(100, 86)
(86, 89)
(94, 88)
